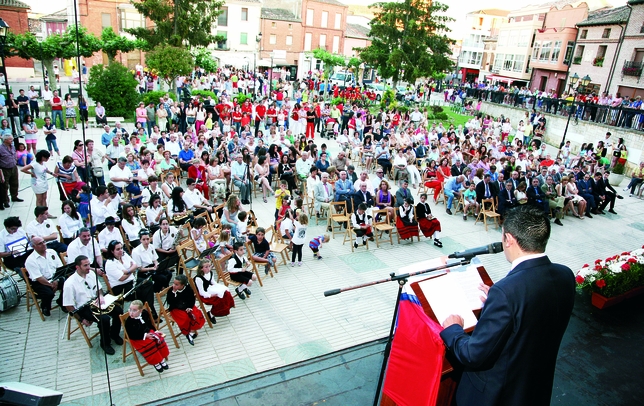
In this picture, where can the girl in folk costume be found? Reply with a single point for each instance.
(405, 222)
(361, 223)
(213, 293)
(429, 225)
(181, 303)
(197, 234)
(238, 270)
(145, 339)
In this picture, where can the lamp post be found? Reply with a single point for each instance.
(258, 40)
(573, 81)
(584, 82)
(4, 27)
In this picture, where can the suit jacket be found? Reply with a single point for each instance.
(510, 357)
(400, 197)
(506, 202)
(534, 197)
(458, 170)
(480, 190)
(359, 198)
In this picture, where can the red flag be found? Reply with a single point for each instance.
(416, 359)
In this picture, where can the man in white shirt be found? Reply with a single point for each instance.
(173, 146)
(109, 233)
(32, 94)
(240, 178)
(43, 227)
(47, 95)
(101, 208)
(85, 245)
(41, 266)
(113, 151)
(194, 199)
(415, 117)
(121, 175)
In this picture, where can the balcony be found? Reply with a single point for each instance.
(632, 68)
(599, 61)
(576, 60)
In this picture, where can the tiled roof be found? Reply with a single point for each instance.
(334, 2)
(14, 3)
(356, 31)
(608, 16)
(635, 2)
(279, 14)
(492, 12)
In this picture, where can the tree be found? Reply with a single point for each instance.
(178, 22)
(111, 43)
(170, 62)
(55, 46)
(330, 61)
(115, 87)
(203, 59)
(409, 40)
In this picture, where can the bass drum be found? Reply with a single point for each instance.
(9, 293)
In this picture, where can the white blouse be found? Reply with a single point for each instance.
(144, 257)
(132, 230)
(69, 226)
(115, 270)
(151, 215)
(214, 289)
(164, 241)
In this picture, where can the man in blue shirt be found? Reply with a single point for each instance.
(453, 189)
(185, 156)
(382, 155)
(344, 190)
(106, 138)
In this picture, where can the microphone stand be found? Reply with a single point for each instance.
(402, 281)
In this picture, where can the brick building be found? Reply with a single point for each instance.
(627, 76)
(281, 30)
(15, 14)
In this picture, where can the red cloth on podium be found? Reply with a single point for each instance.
(416, 359)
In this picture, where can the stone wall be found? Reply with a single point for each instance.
(577, 134)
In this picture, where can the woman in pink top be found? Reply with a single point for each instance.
(141, 115)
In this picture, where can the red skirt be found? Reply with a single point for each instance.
(429, 227)
(152, 350)
(404, 231)
(437, 186)
(188, 322)
(220, 306)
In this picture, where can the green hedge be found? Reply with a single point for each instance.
(155, 96)
(203, 94)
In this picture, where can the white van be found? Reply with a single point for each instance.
(342, 79)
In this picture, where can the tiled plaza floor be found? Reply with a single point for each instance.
(286, 321)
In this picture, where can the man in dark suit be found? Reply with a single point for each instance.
(403, 193)
(363, 196)
(536, 197)
(486, 189)
(603, 196)
(507, 200)
(458, 168)
(510, 357)
(586, 191)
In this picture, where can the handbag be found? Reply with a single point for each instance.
(97, 172)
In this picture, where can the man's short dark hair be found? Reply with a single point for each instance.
(12, 222)
(100, 190)
(79, 260)
(529, 226)
(40, 210)
(190, 181)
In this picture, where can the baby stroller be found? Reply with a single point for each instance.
(328, 130)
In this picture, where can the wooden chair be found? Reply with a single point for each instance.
(60, 233)
(188, 262)
(126, 240)
(488, 209)
(277, 244)
(249, 248)
(252, 222)
(350, 236)
(460, 204)
(127, 342)
(63, 257)
(79, 326)
(382, 225)
(107, 284)
(442, 198)
(223, 274)
(165, 318)
(338, 213)
(31, 295)
(198, 297)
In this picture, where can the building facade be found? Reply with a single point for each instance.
(553, 47)
(473, 58)
(627, 78)
(356, 36)
(15, 14)
(239, 23)
(281, 30)
(597, 44)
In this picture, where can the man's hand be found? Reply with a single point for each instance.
(485, 289)
(453, 319)
(86, 323)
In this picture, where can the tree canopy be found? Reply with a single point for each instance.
(178, 22)
(170, 62)
(408, 40)
(114, 87)
(112, 43)
(204, 59)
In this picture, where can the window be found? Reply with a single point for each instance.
(524, 38)
(336, 44)
(569, 48)
(307, 41)
(580, 51)
(273, 24)
(509, 62)
(106, 20)
(606, 33)
(535, 50)
(290, 26)
(498, 62)
(544, 55)
(223, 34)
(272, 39)
(222, 19)
(556, 50)
(309, 16)
(601, 51)
(323, 41)
(130, 18)
(518, 63)
(338, 21)
(325, 19)
(244, 14)
(289, 40)
(584, 34)
(503, 38)
(243, 38)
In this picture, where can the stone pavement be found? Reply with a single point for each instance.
(286, 321)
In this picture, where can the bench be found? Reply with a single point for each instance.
(110, 121)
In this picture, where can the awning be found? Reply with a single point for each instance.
(497, 78)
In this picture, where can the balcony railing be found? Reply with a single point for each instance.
(632, 68)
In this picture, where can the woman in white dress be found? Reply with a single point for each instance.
(70, 222)
(38, 172)
(216, 179)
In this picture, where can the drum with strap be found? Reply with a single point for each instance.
(9, 293)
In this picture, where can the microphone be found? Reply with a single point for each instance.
(493, 248)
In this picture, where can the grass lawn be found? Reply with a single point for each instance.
(40, 122)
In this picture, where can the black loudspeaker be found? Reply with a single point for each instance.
(18, 393)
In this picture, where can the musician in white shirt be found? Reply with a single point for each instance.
(154, 212)
(41, 266)
(163, 241)
(109, 233)
(43, 227)
(100, 206)
(147, 258)
(152, 189)
(194, 199)
(87, 246)
(70, 222)
(82, 287)
(131, 225)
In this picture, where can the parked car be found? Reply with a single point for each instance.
(377, 88)
(342, 79)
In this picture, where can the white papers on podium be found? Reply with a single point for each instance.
(454, 293)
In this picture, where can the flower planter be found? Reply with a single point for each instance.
(615, 178)
(602, 302)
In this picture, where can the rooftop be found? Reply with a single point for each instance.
(14, 3)
(606, 17)
(356, 31)
(491, 12)
(333, 2)
(279, 14)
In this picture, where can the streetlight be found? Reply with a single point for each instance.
(258, 39)
(584, 82)
(573, 80)
(4, 27)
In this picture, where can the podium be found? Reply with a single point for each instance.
(448, 381)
